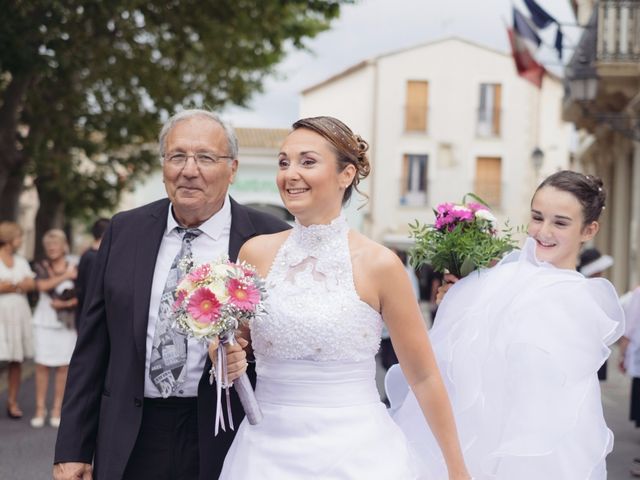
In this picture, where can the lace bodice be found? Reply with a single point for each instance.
(313, 309)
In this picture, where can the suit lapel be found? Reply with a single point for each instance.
(147, 244)
(241, 229)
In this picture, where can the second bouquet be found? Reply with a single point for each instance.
(212, 301)
(464, 238)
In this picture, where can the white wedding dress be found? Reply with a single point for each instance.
(315, 350)
(518, 347)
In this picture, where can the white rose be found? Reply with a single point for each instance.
(219, 289)
(486, 215)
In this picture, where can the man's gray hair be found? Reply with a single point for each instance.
(232, 140)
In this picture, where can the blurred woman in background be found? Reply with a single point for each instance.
(53, 320)
(16, 278)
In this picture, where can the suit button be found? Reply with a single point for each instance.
(137, 402)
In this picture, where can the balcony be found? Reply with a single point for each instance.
(602, 80)
(618, 38)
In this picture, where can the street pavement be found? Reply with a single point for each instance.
(27, 453)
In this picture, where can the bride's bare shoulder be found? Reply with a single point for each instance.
(372, 256)
(261, 250)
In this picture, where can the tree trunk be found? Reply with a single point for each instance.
(11, 159)
(10, 197)
(50, 215)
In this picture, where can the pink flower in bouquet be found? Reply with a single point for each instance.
(200, 274)
(243, 296)
(180, 296)
(204, 306)
(476, 207)
(462, 213)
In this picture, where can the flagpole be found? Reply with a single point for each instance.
(536, 137)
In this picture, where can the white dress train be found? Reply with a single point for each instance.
(315, 350)
(519, 346)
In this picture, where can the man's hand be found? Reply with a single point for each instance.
(449, 280)
(72, 471)
(236, 357)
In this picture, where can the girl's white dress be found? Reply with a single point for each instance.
(519, 346)
(315, 350)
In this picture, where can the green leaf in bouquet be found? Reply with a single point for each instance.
(467, 267)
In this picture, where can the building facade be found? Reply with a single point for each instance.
(443, 119)
(603, 101)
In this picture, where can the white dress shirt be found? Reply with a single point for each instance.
(207, 247)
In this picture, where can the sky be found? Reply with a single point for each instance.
(372, 27)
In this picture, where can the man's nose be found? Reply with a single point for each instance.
(190, 168)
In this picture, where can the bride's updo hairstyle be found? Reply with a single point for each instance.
(587, 189)
(348, 147)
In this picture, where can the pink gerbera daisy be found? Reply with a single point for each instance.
(200, 274)
(180, 296)
(204, 306)
(243, 296)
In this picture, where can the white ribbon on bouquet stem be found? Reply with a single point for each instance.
(222, 381)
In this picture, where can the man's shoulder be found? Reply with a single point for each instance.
(263, 222)
(159, 207)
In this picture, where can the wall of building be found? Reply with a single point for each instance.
(454, 69)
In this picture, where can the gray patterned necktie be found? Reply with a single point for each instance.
(169, 353)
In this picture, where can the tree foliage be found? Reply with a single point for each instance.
(85, 84)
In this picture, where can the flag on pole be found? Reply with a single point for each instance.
(542, 19)
(538, 15)
(524, 42)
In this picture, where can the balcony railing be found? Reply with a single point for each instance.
(618, 31)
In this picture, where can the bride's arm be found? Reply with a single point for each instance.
(408, 331)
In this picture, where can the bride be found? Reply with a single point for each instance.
(329, 291)
(519, 346)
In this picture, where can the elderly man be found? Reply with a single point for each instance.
(138, 402)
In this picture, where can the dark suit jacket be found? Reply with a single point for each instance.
(102, 408)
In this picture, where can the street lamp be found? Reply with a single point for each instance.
(537, 159)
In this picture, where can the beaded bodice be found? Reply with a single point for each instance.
(313, 309)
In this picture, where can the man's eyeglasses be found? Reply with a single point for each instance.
(202, 159)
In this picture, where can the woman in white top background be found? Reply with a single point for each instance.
(16, 342)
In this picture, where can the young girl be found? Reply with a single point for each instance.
(519, 346)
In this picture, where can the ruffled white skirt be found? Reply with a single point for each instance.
(322, 420)
(518, 347)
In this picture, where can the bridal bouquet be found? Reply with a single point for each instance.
(463, 238)
(212, 301)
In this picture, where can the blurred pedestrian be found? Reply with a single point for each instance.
(16, 342)
(85, 266)
(54, 323)
(630, 360)
(592, 265)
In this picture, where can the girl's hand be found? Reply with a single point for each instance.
(449, 280)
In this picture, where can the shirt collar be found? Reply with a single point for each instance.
(215, 225)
